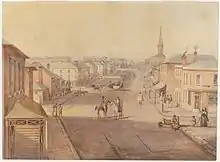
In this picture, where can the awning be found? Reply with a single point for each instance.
(26, 108)
(158, 86)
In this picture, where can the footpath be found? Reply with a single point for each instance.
(59, 144)
(203, 136)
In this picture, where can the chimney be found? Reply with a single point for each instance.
(184, 58)
(195, 53)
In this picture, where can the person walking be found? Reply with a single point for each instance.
(54, 112)
(60, 110)
(119, 105)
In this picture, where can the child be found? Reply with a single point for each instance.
(194, 121)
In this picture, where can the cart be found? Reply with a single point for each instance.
(168, 122)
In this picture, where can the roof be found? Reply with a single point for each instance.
(18, 52)
(89, 64)
(4, 42)
(98, 62)
(203, 64)
(50, 73)
(37, 64)
(28, 65)
(177, 59)
(62, 65)
(26, 108)
(38, 86)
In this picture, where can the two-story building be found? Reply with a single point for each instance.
(100, 67)
(24, 121)
(45, 78)
(199, 84)
(91, 69)
(66, 70)
(179, 73)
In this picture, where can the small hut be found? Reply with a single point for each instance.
(26, 130)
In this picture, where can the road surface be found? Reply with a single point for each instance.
(135, 137)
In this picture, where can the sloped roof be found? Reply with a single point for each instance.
(38, 86)
(178, 58)
(62, 65)
(37, 64)
(18, 51)
(30, 66)
(89, 64)
(26, 108)
(51, 74)
(4, 42)
(203, 64)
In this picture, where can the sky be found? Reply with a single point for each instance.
(118, 29)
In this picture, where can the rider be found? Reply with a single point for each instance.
(103, 99)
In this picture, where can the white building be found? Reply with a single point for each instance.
(65, 70)
(199, 84)
(100, 67)
(191, 79)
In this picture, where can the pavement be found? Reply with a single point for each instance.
(96, 139)
(204, 136)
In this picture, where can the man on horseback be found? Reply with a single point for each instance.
(104, 104)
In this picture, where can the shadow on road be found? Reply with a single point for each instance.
(87, 134)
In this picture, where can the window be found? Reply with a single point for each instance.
(184, 96)
(189, 98)
(197, 79)
(215, 79)
(184, 78)
(10, 73)
(190, 79)
(22, 77)
(15, 76)
(19, 78)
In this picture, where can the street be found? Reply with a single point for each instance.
(137, 136)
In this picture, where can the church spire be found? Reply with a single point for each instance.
(160, 44)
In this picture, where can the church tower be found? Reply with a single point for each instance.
(160, 44)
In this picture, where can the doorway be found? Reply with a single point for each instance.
(197, 101)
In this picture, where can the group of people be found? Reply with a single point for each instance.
(104, 103)
(203, 119)
(57, 110)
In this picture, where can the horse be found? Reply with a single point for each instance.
(98, 109)
(97, 88)
(103, 108)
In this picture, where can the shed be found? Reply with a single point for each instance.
(26, 126)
